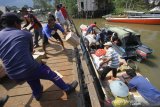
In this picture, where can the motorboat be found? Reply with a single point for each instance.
(130, 46)
(106, 85)
(135, 18)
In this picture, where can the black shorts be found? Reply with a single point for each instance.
(55, 36)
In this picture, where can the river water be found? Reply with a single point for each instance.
(150, 36)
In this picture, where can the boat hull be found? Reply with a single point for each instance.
(151, 21)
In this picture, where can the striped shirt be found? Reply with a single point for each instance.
(111, 53)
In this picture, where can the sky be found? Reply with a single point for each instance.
(18, 3)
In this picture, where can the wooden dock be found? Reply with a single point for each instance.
(61, 61)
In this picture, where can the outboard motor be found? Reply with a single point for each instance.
(143, 51)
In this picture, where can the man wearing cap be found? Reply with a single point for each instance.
(31, 19)
(60, 18)
(111, 60)
(16, 48)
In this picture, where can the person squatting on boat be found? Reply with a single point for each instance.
(103, 37)
(111, 60)
(90, 40)
(35, 24)
(91, 27)
(50, 31)
(150, 94)
(16, 47)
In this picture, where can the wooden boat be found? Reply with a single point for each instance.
(135, 20)
(133, 14)
(131, 46)
(135, 17)
(105, 85)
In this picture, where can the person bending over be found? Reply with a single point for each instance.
(50, 32)
(144, 87)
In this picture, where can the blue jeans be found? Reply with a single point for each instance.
(46, 73)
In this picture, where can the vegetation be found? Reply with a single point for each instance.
(43, 4)
(139, 5)
(115, 6)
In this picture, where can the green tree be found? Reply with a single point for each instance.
(121, 5)
(44, 4)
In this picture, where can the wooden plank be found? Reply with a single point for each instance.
(60, 63)
(55, 97)
(25, 89)
(61, 68)
(59, 57)
(80, 98)
(90, 85)
(21, 95)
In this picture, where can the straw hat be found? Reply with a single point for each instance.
(118, 88)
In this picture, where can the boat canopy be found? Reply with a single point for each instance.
(127, 36)
(122, 32)
(133, 13)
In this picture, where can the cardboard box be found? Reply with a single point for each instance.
(73, 39)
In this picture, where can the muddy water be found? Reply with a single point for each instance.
(150, 35)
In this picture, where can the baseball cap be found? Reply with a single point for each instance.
(8, 17)
(108, 44)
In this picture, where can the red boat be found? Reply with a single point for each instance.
(137, 20)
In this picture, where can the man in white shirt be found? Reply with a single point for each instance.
(60, 18)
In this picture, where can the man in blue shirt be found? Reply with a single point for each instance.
(50, 32)
(144, 87)
(16, 48)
